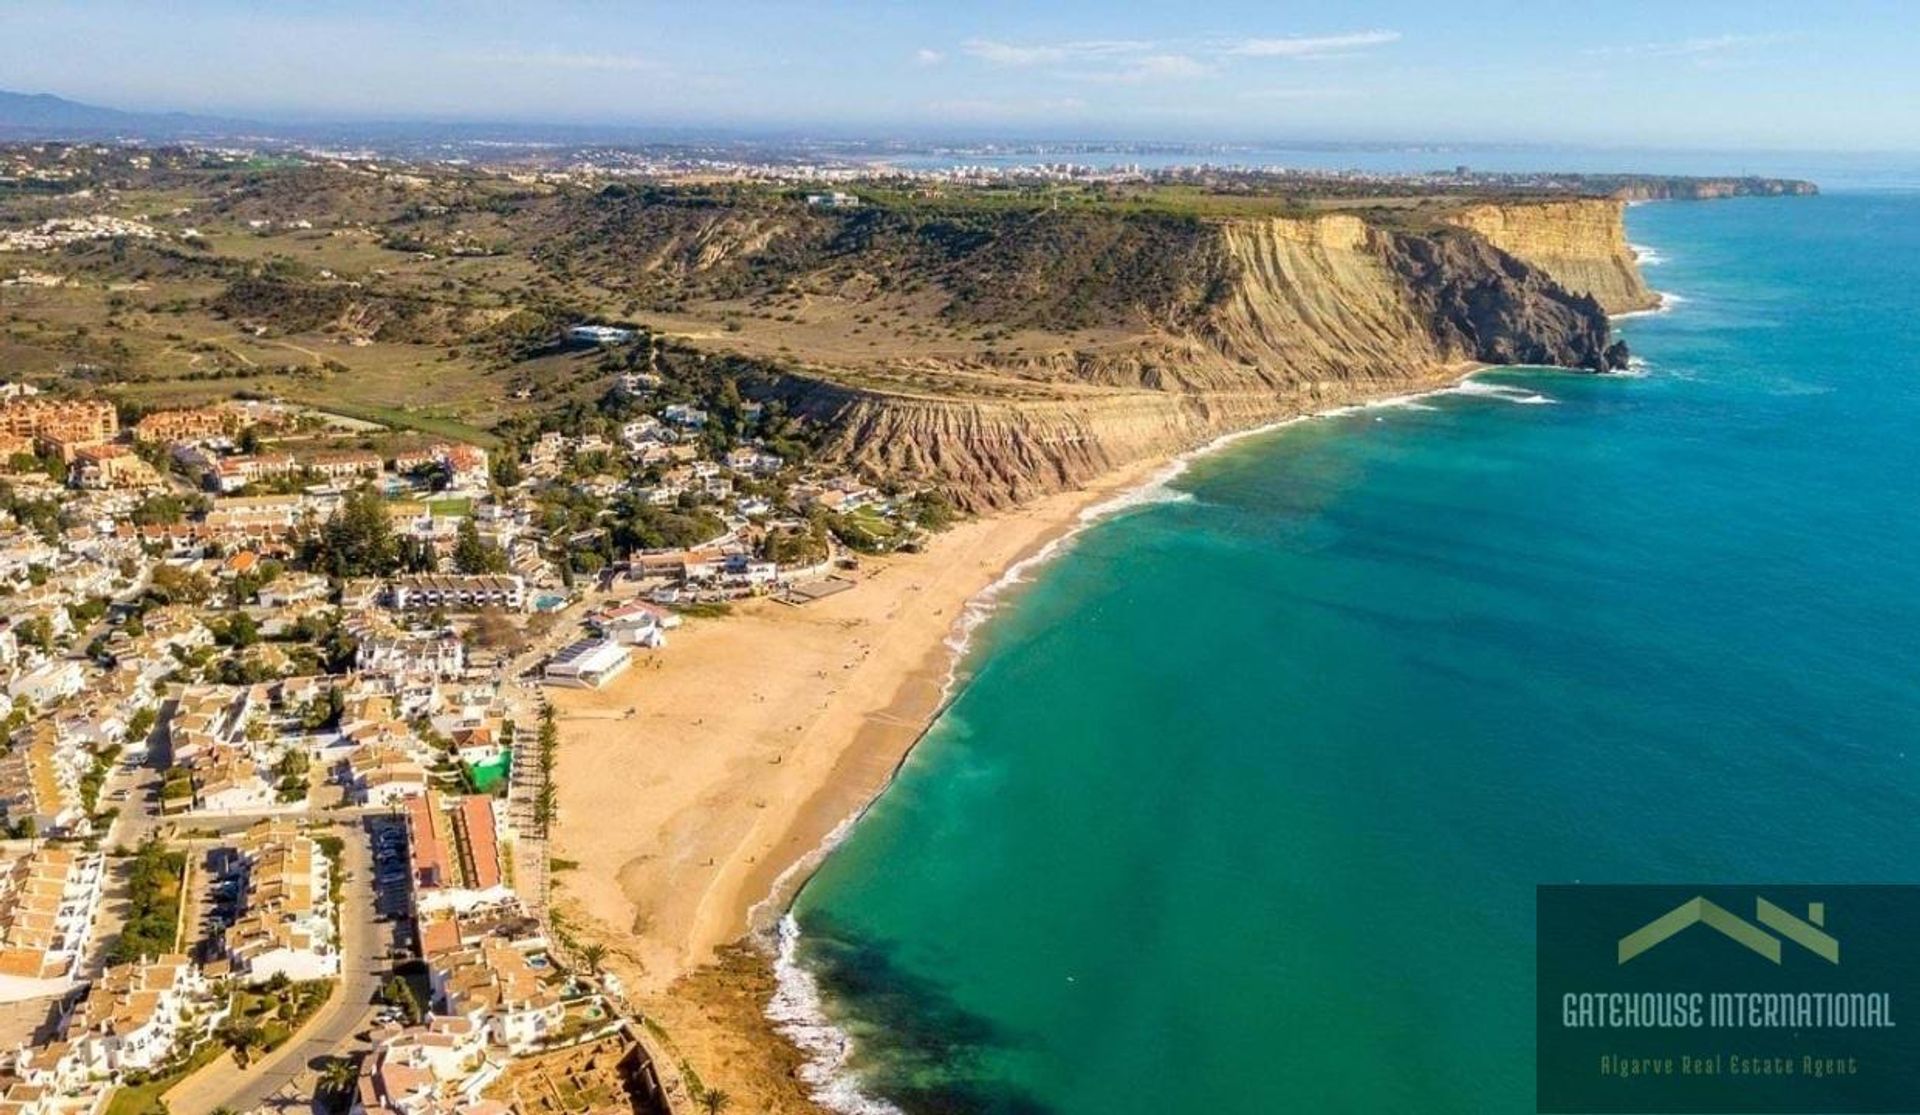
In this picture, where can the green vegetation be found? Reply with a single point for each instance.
(176, 784)
(95, 777)
(264, 1017)
(170, 584)
(705, 609)
(140, 725)
(358, 541)
(471, 555)
(335, 849)
(805, 546)
(39, 515)
(405, 418)
(491, 777)
(154, 877)
(398, 993)
(166, 508)
(140, 1093)
(291, 775)
(867, 530)
(546, 805)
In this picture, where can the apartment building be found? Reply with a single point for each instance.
(287, 924)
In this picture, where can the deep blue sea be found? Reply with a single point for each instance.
(1244, 805)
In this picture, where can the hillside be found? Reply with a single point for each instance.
(999, 343)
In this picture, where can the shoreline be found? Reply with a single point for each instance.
(722, 823)
(760, 734)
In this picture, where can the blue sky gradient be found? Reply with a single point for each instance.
(1834, 76)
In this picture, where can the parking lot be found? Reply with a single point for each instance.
(390, 890)
(216, 896)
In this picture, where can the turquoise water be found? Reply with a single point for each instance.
(1244, 806)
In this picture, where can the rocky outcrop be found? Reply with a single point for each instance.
(1306, 314)
(1479, 300)
(1580, 243)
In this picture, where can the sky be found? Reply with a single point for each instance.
(1839, 75)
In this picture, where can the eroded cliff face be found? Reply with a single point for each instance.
(1306, 314)
(1581, 243)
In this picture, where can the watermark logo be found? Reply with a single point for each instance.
(1724, 999)
(1699, 911)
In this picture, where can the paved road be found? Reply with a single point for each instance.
(284, 1079)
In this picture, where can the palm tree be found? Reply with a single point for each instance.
(339, 1075)
(715, 1101)
(591, 954)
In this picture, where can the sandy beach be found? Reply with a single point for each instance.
(754, 735)
(697, 790)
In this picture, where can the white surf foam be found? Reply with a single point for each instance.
(1668, 300)
(1506, 393)
(796, 1012)
(1646, 256)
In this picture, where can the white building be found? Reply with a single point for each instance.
(48, 898)
(134, 1014)
(589, 663)
(436, 653)
(459, 592)
(287, 927)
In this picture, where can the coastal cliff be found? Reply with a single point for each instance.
(1581, 243)
(1289, 316)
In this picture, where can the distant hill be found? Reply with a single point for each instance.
(45, 116)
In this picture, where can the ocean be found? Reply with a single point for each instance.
(1243, 798)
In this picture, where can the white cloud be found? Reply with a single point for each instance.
(1312, 46)
(1017, 54)
(927, 57)
(1152, 67)
(1135, 61)
(1170, 66)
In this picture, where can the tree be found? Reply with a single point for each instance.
(140, 726)
(170, 584)
(715, 1101)
(338, 1076)
(591, 954)
(241, 630)
(471, 555)
(399, 994)
(357, 541)
(36, 631)
(243, 1036)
